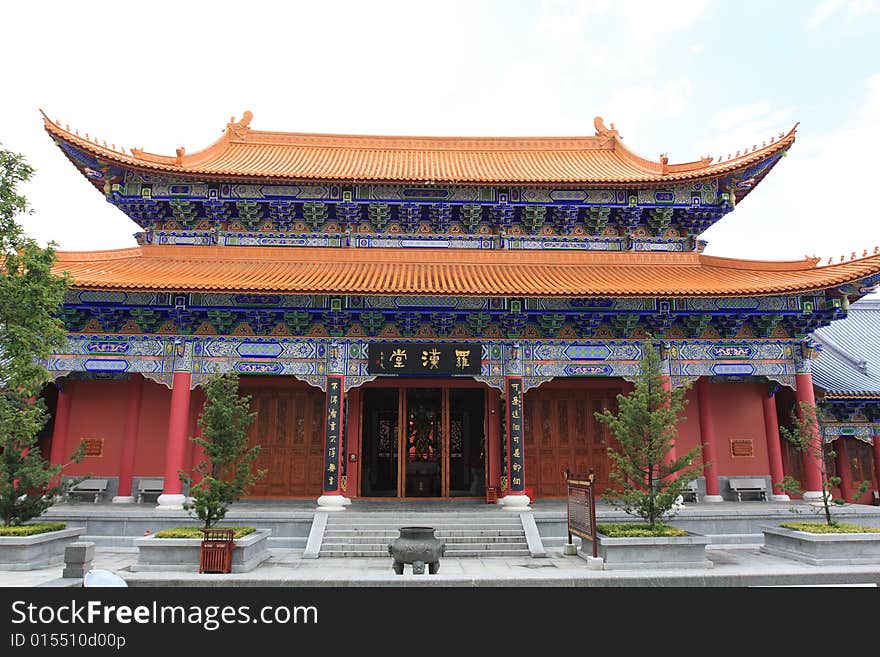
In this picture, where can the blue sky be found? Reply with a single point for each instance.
(685, 77)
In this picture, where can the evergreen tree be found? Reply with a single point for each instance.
(226, 469)
(805, 437)
(30, 298)
(644, 482)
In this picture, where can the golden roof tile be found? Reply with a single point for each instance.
(449, 272)
(245, 153)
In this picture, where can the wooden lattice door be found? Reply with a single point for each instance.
(562, 433)
(288, 428)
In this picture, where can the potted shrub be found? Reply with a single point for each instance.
(828, 541)
(30, 297)
(224, 476)
(179, 549)
(645, 482)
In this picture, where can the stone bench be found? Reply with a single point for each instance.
(692, 492)
(149, 486)
(96, 487)
(751, 485)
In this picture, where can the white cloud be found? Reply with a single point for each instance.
(852, 8)
(811, 202)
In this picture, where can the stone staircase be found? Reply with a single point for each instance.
(466, 534)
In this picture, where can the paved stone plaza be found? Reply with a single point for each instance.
(737, 559)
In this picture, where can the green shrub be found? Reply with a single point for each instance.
(31, 530)
(196, 532)
(835, 528)
(632, 530)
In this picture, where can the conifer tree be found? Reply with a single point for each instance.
(30, 298)
(225, 472)
(645, 482)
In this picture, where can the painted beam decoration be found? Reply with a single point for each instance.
(333, 435)
(515, 445)
(426, 359)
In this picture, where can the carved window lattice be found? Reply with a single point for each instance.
(387, 433)
(281, 424)
(299, 436)
(456, 443)
(563, 422)
(546, 425)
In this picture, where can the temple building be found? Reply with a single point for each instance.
(433, 317)
(847, 381)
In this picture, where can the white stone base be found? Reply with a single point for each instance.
(712, 499)
(814, 496)
(516, 503)
(346, 501)
(570, 550)
(780, 498)
(170, 502)
(123, 499)
(331, 503)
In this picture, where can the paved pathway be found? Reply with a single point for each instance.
(739, 567)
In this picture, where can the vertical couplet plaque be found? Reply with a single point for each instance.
(333, 435)
(514, 398)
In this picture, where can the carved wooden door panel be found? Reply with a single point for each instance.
(562, 433)
(288, 428)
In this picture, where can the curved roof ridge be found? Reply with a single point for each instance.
(764, 265)
(854, 361)
(241, 152)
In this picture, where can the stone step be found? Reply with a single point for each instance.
(410, 513)
(437, 528)
(342, 518)
(458, 540)
(492, 552)
(452, 534)
(524, 552)
(451, 526)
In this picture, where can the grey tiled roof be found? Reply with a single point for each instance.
(849, 360)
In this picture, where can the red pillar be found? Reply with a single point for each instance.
(129, 439)
(774, 444)
(494, 439)
(198, 453)
(708, 441)
(62, 422)
(812, 475)
(877, 459)
(666, 384)
(175, 449)
(843, 469)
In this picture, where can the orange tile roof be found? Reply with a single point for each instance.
(245, 153)
(448, 272)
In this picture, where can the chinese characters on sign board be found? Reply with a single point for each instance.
(514, 429)
(440, 359)
(333, 443)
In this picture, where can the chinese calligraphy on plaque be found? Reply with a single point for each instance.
(440, 359)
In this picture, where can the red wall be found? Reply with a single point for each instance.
(149, 460)
(689, 427)
(97, 411)
(738, 412)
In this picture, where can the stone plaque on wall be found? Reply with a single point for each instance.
(742, 448)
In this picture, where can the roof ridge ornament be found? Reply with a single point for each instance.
(608, 134)
(240, 128)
